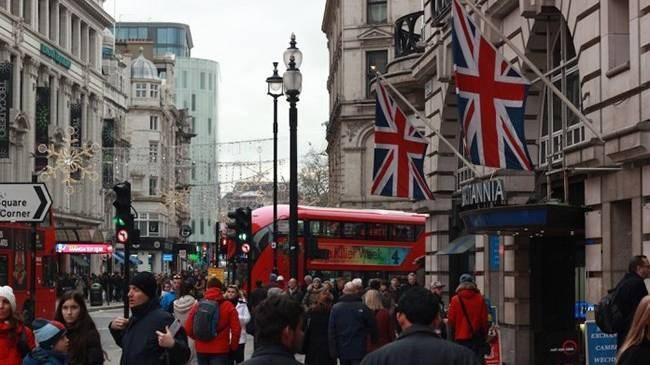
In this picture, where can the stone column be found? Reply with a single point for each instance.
(29, 108)
(84, 42)
(46, 20)
(54, 27)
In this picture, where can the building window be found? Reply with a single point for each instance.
(193, 102)
(153, 151)
(209, 125)
(153, 122)
(202, 80)
(210, 81)
(154, 91)
(184, 79)
(377, 11)
(618, 20)
(202, 227)
(151, 225)
(153, 185)
(557, 121)
(193, 171)
(193, 125)
(140, 90)
(193, 225)
(379, 59)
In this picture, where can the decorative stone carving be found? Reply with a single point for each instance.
(19, 28)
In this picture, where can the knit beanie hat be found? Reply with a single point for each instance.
(8, 293)
(146, 282)
(47, 333)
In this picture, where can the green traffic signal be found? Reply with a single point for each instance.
(119, 221)
(242, 237)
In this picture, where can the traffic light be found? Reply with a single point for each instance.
(240, 228)
(123, 218)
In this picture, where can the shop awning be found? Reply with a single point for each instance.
(79, 261)
(549, 219)
(119, 256)
(460, 245)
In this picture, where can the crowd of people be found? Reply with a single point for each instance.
(189, 318)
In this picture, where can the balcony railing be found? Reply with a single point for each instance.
(407, 40)
(439, 11)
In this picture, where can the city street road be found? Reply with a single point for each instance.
(103, 317)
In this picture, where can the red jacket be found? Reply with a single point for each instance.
(228, 328)
(385, 330)
(476, 310)
(9, 352)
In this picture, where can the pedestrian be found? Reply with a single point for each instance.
(16, 339)
(467, 317)
(279, 331)
(182, 306)
(418, 344)
(145, 338)
(394, 289)
(214, 345)
(306, 282)
(233, 294)
(293, 291)
(631, 289)
(52, 342)
(312, 293)
(386, 298)
(436, 289)
(85, 343)
(385, 328)
(166, 302)
(636, 348)
(279, 281)
(316, 327)
(350, 324)
(338, 288)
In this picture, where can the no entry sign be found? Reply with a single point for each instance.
(24, 203)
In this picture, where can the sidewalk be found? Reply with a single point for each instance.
(113, 305)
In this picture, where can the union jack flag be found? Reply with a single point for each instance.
(491, 98)
(399, 152)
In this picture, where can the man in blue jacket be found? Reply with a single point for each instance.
(350, 324)
(145, 338)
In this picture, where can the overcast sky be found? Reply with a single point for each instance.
(245, 37)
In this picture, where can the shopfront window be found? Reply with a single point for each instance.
(4, 270)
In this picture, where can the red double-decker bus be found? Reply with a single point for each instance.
(339, 242)
(16, 258)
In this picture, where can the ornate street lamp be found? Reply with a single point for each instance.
(275, 85)
(292, 87)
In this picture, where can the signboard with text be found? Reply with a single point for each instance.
(362, 254)
(6, 77)
(494, 358)
(600, 347)
(24, 203)
(213, 271)
(84, 248)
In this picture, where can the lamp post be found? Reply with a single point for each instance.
(275, 91)
(292, 86)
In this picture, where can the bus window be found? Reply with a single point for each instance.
(4, 270)
(403, 232)
(324, 228)
(50, 270)
(377, 231)
(354, 230)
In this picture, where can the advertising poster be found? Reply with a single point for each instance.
(6, 73)
(42, 124)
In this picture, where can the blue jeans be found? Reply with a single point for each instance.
(213, 359)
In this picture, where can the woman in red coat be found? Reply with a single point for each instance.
(16, 340)
(385, 328)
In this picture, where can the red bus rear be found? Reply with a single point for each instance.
(340, 242)
(16, 256)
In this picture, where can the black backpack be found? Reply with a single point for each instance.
(609, 317)
(206, 319)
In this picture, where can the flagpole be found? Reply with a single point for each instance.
(426, 122)
(536, 70)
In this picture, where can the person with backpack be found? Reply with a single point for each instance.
(16, 339)
(182, 307)
(213, 324)
(468, 317)
(626, 296)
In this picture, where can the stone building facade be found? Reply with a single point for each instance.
(51, 60)
(563, 233)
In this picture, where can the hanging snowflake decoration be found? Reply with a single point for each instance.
(177, 199)
(70, 162)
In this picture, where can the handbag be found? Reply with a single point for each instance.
(479, 344)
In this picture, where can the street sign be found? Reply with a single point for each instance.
(186, 231)
(245, 248)
(600, 347)
(24, 203)
(122, 236)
